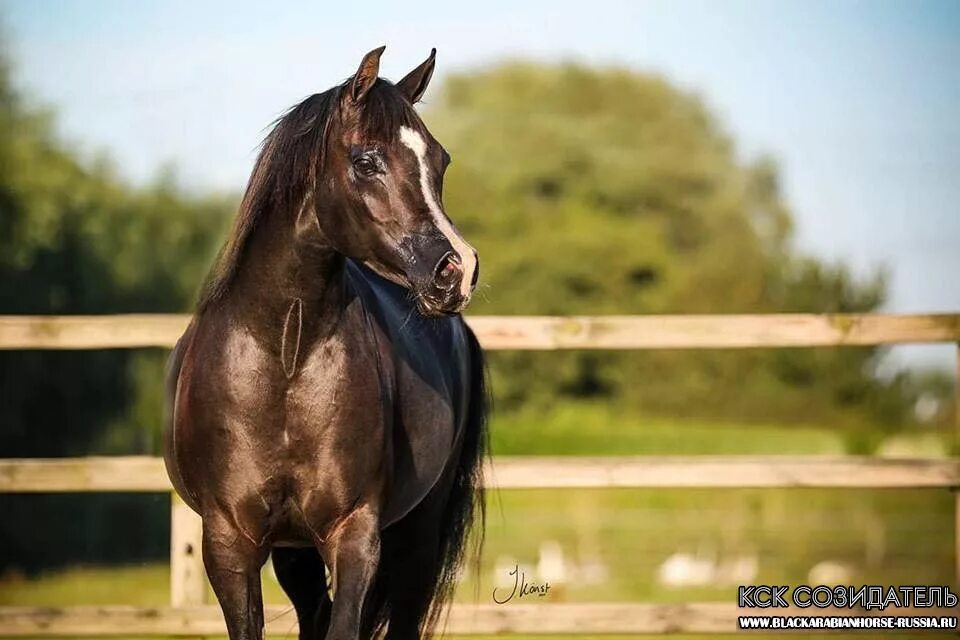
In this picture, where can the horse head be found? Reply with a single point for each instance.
(381, 189)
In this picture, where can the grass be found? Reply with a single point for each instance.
(598, 429)
(879, 536)
(146, 585)
(883, 537)
(890, 537)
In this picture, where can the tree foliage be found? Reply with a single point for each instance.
(74, 238)
(594, 191)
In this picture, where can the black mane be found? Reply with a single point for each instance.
(290, 161)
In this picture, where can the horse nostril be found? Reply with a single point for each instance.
(448, 269)
(476, 274)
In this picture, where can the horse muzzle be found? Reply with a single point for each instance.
(445, 292)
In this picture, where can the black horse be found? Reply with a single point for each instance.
(326, 404)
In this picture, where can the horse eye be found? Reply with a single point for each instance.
(365, 165)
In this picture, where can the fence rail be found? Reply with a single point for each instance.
(538, 332)
(511, 618)
(147, 474)
(190, 616)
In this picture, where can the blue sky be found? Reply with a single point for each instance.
(858, 101)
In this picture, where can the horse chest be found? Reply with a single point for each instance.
(282, 439)
(339, 387)
(274, 414)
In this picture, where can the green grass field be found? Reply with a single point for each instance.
(614, 543)
(597, 429)
(892, 537)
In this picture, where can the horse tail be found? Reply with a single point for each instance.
(465, 504)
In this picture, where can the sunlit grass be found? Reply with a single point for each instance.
(598, 429)
(142, 585)
(879, 536)
(882, 537)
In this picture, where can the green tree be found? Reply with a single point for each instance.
(74, 238)
(601, 191)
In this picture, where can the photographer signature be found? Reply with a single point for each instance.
(521, 587)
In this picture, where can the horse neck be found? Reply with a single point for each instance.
(287, 268)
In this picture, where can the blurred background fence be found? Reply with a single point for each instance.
(189, 614)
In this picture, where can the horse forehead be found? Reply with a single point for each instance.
(413, 140)
(424, 151)
(422, 144)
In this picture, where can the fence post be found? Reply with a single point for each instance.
(955, 452)
(188, 584)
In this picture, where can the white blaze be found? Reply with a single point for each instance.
(415, 142)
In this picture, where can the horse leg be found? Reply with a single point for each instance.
(353, 550)
(301, 573)
(233, 563)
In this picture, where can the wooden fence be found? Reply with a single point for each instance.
(189, 614)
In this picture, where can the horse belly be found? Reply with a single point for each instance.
(423, 438)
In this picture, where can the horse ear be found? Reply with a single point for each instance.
(415, 82)
(366, 75)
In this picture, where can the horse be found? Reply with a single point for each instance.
(327, 403)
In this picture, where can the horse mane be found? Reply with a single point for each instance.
(290, 160)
